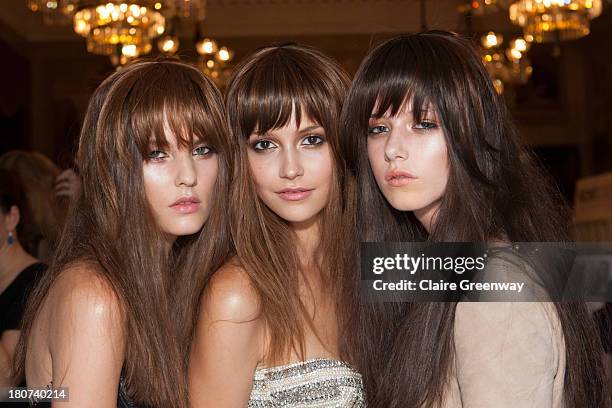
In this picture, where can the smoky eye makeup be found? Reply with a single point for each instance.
(156, 155)
(377, 126)
(313, 140)
(203, 150)
(260, 143)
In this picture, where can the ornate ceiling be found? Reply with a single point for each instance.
(240, 18)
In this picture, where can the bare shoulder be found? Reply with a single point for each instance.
(82, 299)
(84, 335)
(231, 295)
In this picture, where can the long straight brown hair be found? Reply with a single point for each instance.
(495, 190)
(111, 225)
(264, 90)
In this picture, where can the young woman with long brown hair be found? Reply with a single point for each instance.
(271, 320)
(437, 159)
(153, 157)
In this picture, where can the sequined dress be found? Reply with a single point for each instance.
(315, 383)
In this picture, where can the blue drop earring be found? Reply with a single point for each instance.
(11, 238)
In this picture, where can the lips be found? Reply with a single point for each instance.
(186, 205)
(295, 194)
(398, 178)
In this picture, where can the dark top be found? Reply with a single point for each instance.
(13, 299)
(12, 305)
(123, 400)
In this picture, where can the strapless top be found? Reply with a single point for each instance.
(320, 382)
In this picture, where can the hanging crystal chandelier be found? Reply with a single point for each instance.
(509, 66)
(125, 29)
(554, 20)
(120, 29)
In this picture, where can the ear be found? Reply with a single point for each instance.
(12, 218)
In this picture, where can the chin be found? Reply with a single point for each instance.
(296, 215)
(185, 227)
(403, 204)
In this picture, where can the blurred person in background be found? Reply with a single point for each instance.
(48, 192)
(18, 270)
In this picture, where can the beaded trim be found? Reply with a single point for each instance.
(312, 383)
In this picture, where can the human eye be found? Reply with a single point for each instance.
(312, 140)
(263, 145)
(426, 125)
(203, 151)
(156, 155)
(377, 129)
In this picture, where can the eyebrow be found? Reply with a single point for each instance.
(304, 130)
(410, 111)
(309, 128)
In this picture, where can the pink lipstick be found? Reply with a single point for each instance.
(398, 178)
(295, 194)
(186, 205)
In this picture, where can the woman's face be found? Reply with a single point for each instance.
(292, 169)
(409, 160)
(178, 185)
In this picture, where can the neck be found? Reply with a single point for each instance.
(13, 259)
(308, 237)
(427, 215)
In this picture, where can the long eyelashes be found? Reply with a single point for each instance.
(375, 130)
(309, 141)
(262, 145)
(426, 125)
(203, 151)
(156, 155)
(313, 140)
(422, 125)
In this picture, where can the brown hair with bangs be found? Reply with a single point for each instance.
(495, 190)
(264, 91)
(112, 227)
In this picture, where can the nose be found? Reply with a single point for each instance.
(186, 171)
(291, 166)
(396, 146)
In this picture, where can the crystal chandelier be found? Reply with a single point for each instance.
(554, 20)
(509, 66)
(120, 30)
(125, 29)
(213, 60)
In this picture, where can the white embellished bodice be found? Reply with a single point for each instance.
(316, 383)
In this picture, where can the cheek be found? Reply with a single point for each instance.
(434, 158)
(318, 166)
(157, 182)
(376, 156)
(263, 169)
(208, 171)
